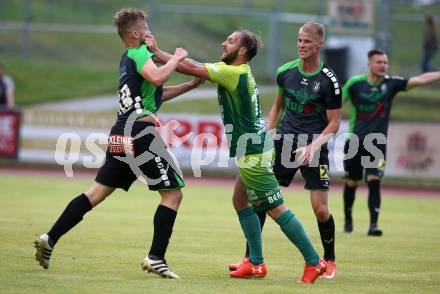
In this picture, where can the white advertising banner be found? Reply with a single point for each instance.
(351, 16)
(199, 142)
(414, 150)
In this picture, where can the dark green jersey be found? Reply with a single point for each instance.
(307, 96)
(371, 104)
(135, 93)
(239, 107)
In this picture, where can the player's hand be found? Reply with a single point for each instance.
(304, 155)
(150, 41)
(180, 53)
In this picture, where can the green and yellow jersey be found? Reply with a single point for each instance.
(239, 107)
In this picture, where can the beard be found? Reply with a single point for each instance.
(230, 57)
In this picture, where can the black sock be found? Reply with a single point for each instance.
(163, 228)
(71, 216)
(374, 201)
(327, 231)
(262, 217)
(349, 196)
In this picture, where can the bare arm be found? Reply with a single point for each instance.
(276, 112)
(423, 79)
(186, 66)
(334, 120)
(159, 75)
(171, 92)
(10, 99)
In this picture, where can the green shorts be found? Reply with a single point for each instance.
(259, 181)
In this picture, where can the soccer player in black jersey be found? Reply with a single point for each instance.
(134, 149)
(309, 102)
(371, 96)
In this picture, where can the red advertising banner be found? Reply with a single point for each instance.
(9, 133)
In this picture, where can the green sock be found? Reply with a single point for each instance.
(293, 229)
(250, 225)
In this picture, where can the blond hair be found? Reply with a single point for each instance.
(315, 28)
(126, 20)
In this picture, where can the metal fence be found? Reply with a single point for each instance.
(81, 31)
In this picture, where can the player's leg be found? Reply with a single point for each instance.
(326, 226)
(240, 201)
(349, 195)
(254, 266)
(69, 218)
(284, 176)
(373, 176)
(163, 221)
(353, 173)
(264, 194)
(162, 174)
(374, 201)
(163, 224)
(317, 178)
(293, 229)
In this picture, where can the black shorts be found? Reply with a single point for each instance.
(372, 161)
(140, 153)
(316, 174)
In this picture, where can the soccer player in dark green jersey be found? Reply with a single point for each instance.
(307, 114)
(256, 188)
(134, 148)
(371, 96)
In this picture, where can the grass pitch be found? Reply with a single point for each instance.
(103, 253)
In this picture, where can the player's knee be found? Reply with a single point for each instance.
(370, 178)
(97, 193)
(351, 183)
(240, 201)
(322, 214)
(171, 198)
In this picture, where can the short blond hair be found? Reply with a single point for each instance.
(127, 19)
(315, 28)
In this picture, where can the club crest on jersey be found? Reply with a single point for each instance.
(316, 86)
(383, 88)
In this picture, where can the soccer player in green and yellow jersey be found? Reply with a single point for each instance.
(371, 96)
(256, 188)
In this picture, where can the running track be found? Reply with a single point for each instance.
(226, 182)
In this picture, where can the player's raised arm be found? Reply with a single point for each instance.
(423, 79)
(171, 92)
(186, 66)
(159, 75)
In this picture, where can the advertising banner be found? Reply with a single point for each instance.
(199, 142)
(9, 133)
(351, 16)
